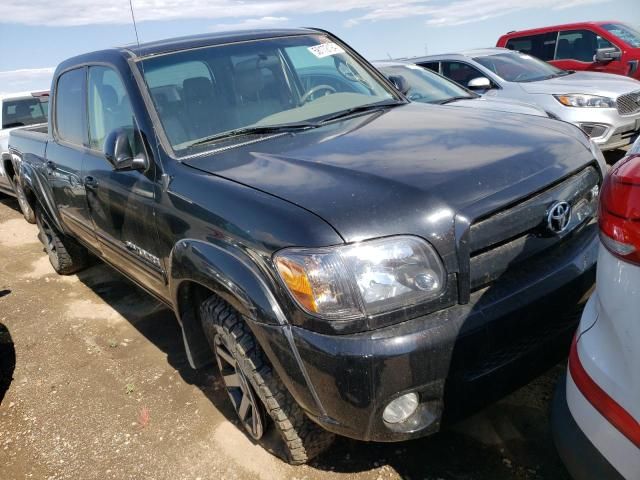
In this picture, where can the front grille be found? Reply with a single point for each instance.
(519, 234)
(629, 103)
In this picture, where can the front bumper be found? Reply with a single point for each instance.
(619, 130)
(582, 459)
(457, 359)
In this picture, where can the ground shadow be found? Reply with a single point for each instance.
(612, 156)
(7, 357)
(158, 324)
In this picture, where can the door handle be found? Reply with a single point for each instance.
(90, 182)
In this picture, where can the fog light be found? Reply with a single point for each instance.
(401, 408)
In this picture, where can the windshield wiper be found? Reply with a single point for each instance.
(359, 109)
(454, 99)
(255, 130)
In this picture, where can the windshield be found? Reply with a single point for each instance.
(519, 67)
(421, 85)
(206, 92)
(20, 112)
(625, 33)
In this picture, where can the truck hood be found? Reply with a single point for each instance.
(605, 84)
(501, 105)
(409, 169)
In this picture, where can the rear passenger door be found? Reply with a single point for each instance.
(121, 202)
(65, 154)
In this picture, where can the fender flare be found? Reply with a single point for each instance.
(231, 273)
(28, 177)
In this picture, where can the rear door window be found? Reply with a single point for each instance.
(542, 46)
(580, 45)
(70, 123)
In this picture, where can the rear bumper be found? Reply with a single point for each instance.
(457, 360)
(580, 456)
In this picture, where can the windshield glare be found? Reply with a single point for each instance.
(209, 91)
(20, 112)
(519, 67)
(625, 33)
(421, 85)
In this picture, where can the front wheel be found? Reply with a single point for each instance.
(267, 411)
(65, 254)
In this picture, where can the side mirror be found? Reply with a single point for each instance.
(479, 83)
(604, 55)
(400, 83)
(118, 152)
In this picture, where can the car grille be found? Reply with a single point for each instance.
(520, 234)
(629, 103)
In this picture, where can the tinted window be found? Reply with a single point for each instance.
(579, 45)
(109, 105)
(542, 46)
(625, 33)
(18, 112)
(433, 66)
(459, 72)
(70, 118)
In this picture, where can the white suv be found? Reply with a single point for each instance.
(596, 413)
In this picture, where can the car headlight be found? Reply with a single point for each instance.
(588, 101)
(362, 279)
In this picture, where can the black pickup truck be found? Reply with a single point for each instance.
(356, 264)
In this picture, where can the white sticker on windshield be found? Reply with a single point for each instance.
(326, 49)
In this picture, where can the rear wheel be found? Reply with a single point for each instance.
(267, 411)
(27, 211)
(65, 254)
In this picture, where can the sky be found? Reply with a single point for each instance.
(38, 34)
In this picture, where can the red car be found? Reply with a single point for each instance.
(609, 47)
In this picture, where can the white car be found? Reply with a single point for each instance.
(605, 106)
(596, 412)
(18, 110)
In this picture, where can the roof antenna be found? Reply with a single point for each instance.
(135, 27)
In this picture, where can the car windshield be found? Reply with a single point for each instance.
(625, 33)
(421, 85)
(256, 87)
(20, 112)
(519, 67)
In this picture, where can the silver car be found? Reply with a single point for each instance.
(605, 106)
(424, 86)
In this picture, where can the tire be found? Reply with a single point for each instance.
(282, 426)
(65, 254)
(25, 208)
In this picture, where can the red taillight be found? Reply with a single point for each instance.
(601, 401)
(620, 210)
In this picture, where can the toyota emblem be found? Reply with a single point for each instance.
(559, 217)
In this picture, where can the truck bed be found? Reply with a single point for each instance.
(31, 140)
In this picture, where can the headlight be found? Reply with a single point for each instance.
(590, 101)
(362, 279)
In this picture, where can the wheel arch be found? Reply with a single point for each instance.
(198, 269)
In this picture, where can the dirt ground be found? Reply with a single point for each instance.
(99, 388)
